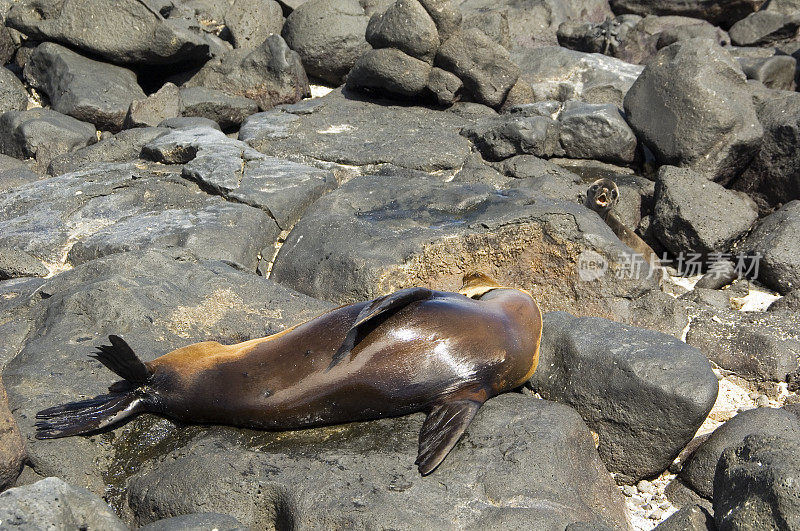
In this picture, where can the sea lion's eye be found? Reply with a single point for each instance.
(613, 194)
(593, 188)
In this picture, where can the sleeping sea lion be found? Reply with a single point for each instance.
(413, 350)
(601, 197)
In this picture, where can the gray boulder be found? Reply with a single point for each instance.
(376, 234)
(776, 72)
(190, 122)
(698, 472)
(596, 131)
(390, 70)
(483, 66)
(12, 450)
(345, 129)
(720, 14)
(15, 264)
(282, 188)
(17, 296)
(755, 485)
(774, 240)
(252, 21)
(53, 504)
(159, 302)
(42, 134)
(270, 74)
(645, 394)
(13, 96)
(329, 36)
(774, 174)
(691, 107)
(505, 136)
(788, 303)
(523, 462)
(226, 110)
(764, 28)
(122, 31)
(694, 215)
(556, 73)
(125, 146)
(405, 26)
(80, 87)
(108, 208)
(157, 107)
(751, 344)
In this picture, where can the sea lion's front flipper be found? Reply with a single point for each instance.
(373, 313)
(441, 431)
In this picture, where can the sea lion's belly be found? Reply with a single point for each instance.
(423, 352)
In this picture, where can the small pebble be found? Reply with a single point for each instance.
(753, 395)
(629, 490)
(658, 514)
(762, 401)
(648, 506)
(645, 487)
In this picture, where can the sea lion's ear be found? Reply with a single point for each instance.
(442, 429)
(475, 284)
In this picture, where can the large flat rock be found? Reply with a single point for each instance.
(376, 234)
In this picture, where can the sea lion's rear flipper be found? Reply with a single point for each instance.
(441, 431)
(374, 313)
(96, 413)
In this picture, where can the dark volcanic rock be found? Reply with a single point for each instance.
(483, 65)
(405, 26)
(42, 134)
(158, 303)
(390, 70)
(15, 172)
(556, 73)
(505, 136)
(698, 472)
(109, 208)
(77, 86)
(720, 13)
(226, 110)
(751, 344)
(125, 146)
(252, 21)
(774, 173)
(53, 504)
(196, 521)
(16, 298)
(788, 303)
(15, 264)
(493, 23)
(12, 450)
(340, 128)
(376, 234)
(692, 108)
(694, 215)
(282, 188)
(191, 122)
(534, 23)
(755, 485)
(270, 74)
(775, 240)
(688, 518)
(776, 72)
(13, 96)
(598, 132)
(445, 86)
(122, 31)
(765, 27)
(644, 393)
(329, 36)
(523, 462)
(157, 107)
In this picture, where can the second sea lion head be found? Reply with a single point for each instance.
(602, 195)
(475, 284)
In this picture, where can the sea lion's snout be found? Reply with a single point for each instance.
(602, 198)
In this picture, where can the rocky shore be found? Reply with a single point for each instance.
(192, 170)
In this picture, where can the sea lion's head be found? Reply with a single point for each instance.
(602, 195)
(475, 284)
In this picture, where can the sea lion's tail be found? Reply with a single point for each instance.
(124, 400)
